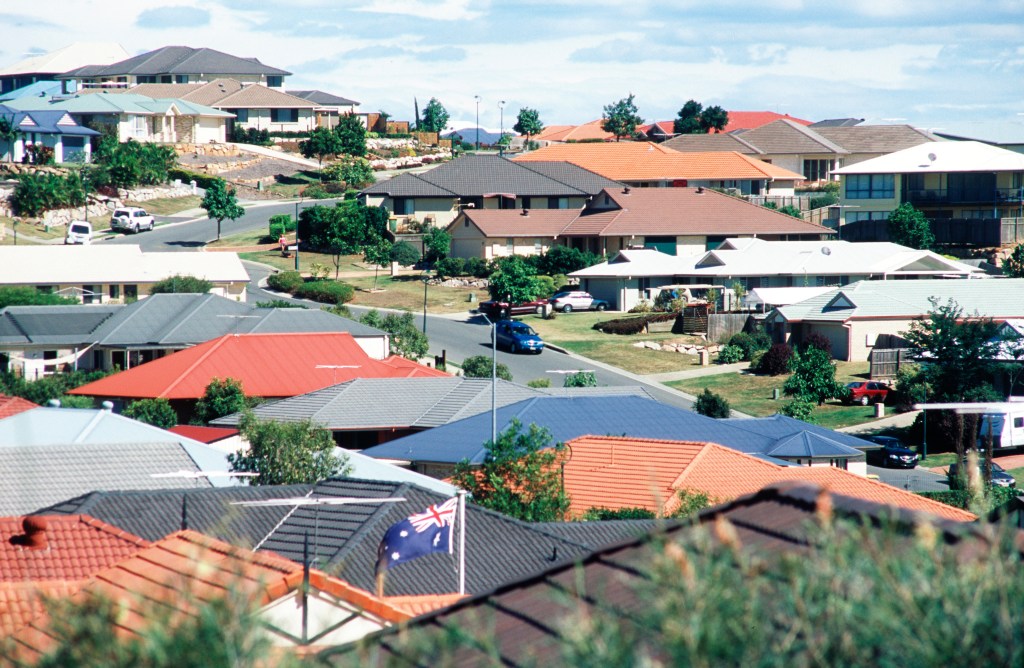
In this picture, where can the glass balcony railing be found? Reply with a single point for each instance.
(927, 196)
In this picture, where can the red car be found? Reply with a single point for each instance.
(867, 392)
(499, 310)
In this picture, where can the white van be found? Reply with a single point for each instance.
(79, 232)
(1007, 426)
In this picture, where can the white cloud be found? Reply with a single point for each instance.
(445, 10)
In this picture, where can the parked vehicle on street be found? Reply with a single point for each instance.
(131, 219)
(577, 300)
(892, 454)
(1000, 478)
(79, 233)
(866, 392)
(496, 310)
(518, 337)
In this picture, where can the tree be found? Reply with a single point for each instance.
(157, 412)
(687, 121)
(222, 397)
(322, 142)
(519, 476)
(711, 405)
(353, 172)
(351, 133)
(1013, 264)
(580, 379)
(791, 210)
(514, 281)
(437, 244)
(621, 118)
(405, 254)
(181, 285)
(8, 133)
(344, 229)
(24, 295)
(435, 117)
(714, 118)
(405, 339)
(377, 254)
(528, 123)
(479, 366)
(287, 453)
(908, 227)
(799, 409)
(220, 203)
(814, 377)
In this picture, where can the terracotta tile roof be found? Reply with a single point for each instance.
(748, 120)
(418, 605)
(13, 405)
(647, 161)
(21, 602)
(267, 365)
(574, 133)
(203, 434)
(618, 472)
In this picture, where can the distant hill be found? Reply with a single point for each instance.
(469, 135)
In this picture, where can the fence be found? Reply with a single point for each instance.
(886, 362)
(721, 326)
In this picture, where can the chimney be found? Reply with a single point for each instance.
(35, 532)
(625, 191)
(526, 212)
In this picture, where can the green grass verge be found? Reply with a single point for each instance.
(166, 206)
(1018, 475)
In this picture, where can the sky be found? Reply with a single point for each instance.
(935, 64)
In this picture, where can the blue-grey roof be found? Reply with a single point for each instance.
(178, 60)
(44, 325)
(24, 115)
(42, 90)
(780, 428)
(321, 97)
(567, 418)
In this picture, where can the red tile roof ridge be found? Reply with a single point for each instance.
(678, 483)
(104, 526)
(348, 592)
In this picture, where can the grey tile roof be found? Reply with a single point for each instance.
(700, 143)
(606, 532)
(784, 136)
(572, 175)
(39, 476)
(154, 514)
(320, 97)
(52, 324)
(875, 138)
(178, 60)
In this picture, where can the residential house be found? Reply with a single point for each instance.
(970, 191)
(37, 340)
(46, 127)
(436, 451)
(650, 165)
(271, 366)
(675, 221)
(634, 275)
(10, 405)
(615, 472)
(856, 317)
(99, 274)
(738, 122)
(529, 622)
(561, 134)
(369, 411)
(344, 539)
(435, 197)
(46, 66)
(175, 64)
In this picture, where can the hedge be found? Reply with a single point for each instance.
(285, 134)
(202, 180)
(633, 325)
(961, 498)
(326, 292)
(285, 281)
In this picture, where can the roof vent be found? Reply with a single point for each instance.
(53, 403)
(35, 533)
(526, 212)
(108, 405)
(625, 191)
(825, 250)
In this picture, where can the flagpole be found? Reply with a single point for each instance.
(462, 541)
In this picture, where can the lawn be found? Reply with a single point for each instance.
(166, 206)
(1018, 475)
(289, 186)
(752, 394)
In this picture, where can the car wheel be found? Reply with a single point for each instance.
(539, 310)
(514, 348)
(865, 400)
(135, 229)
(601, 307)
(567, 308)
(152, 225)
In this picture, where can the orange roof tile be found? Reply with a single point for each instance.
(647, 161)
(13, 405)
(267, 365)
(21, 602)
(748, 120)
(575, 133)
(616, 472)
(420, 605)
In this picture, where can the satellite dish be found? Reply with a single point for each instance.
(825, 250)
(931, 156)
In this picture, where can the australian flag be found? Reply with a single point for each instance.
(418, 535)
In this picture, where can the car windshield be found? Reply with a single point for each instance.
(79, 229)
(560, 295)
(853, 386)
(520, 328)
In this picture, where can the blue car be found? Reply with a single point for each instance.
(518, 336)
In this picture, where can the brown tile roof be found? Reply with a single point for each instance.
(512, 223)
(785, 136)
(213, 92)
(259, 96)
(703, 143)
(13, 405)
(158, 91)
(620, 472)
(876, 138)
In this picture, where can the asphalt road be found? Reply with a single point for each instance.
(912, 480)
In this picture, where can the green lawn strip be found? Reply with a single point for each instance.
(635, 360)
(1018, 475)
(165, 206)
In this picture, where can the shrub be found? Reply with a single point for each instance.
(819, 201)
(819, 341)
(319, 191)
(181, 285)
(539, 383)
(450, 266)
(744, 342)
(580, 379)
(711, 405)
(545, 286)
(730, 355)
(775, 361)
(633, 325)
(279, 303)
(285, 281)
(643, 306)
(799, 409)
(405, 254)
(202, 180)
(37, 193)
(478, 267)
(280, 224)
(479, 366)
(326, 292)
(602, 514)
(157, 412)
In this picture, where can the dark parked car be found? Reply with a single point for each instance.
(518, 336)
(496, 310)
(892, 454)
(867, 392)
(1000, 478)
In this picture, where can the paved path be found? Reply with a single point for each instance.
(897, 420)
(698, 372)
(278, 155)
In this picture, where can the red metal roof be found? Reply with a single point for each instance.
(203, 434)
(267, 365)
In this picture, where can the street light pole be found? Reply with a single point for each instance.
(501, 135)
(477, 98)
(494, 378)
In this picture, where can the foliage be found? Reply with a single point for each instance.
(730, 354)
(325, 292)
(8, 134)
(287, 453)
(222, 397)
(563, 260)
(435, 117)
(604, 514)
(322, 142)
(621, 118)
(819, 201)
(42, 390)
(694, 118)
(908, 227)
(157, 412)
(378, 254)
(450, 266)
(202, 180)
(279, 303)
(528, 123)
(406, 340)
(438, 244)
(131, 163)
(354, 172)
(994, 497)
(220, 203)
(751, 342)
(181, 285)
(76, 401)
(280, 224)
(539, 383)
(776, 360)
(580, 379)
(711, 405)
(478, 267)
(351, 133)
(799, 409)
(690, 503)
(514, 281)
(405, 254)
(814, 377)
(1013, 264)
(631, 325)
(255, 136)
(285, 281)
(518, 477)
(24, 295)
(817, 340)
(37, 193)
(791, 210)
(40, 154)
(479, 366)
(344, 229)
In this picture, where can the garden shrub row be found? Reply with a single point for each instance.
(202, 180)
(961, 498)
(326, 292)
(285, 281)
(632, 325)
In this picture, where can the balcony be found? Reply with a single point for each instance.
(963, 196)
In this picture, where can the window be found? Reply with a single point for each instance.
(284, 115)
(404, 206)
(131, 293)
(1018, 422)
(114, 291)
(510, 246)
(538, 247)
(816, 170)
(92, 294)
(181, 78)
(558, 202)
(870, 186)
(856, 216)
(241, 115)
(146, 78)
(526, 203)
(167, 78)
(838, 463)
(275, 81)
